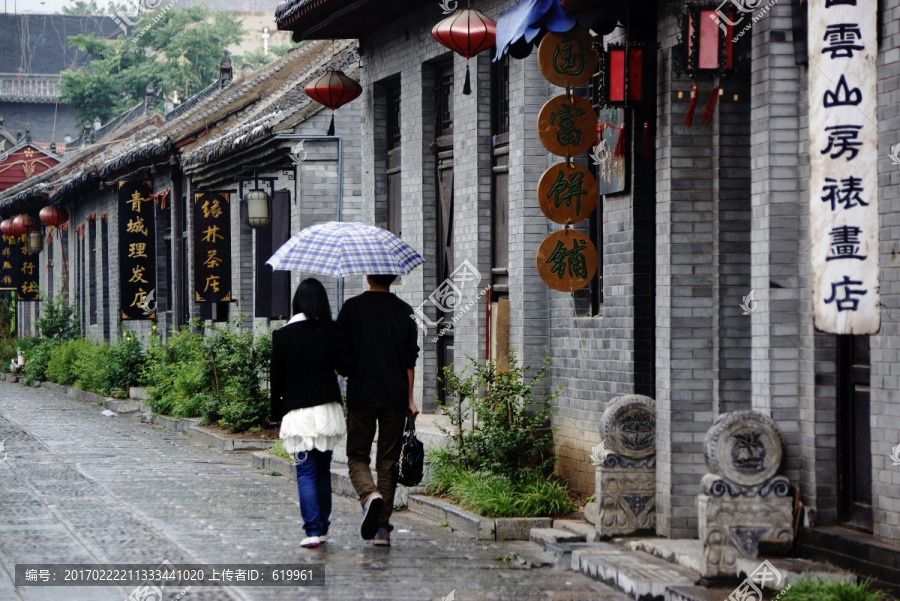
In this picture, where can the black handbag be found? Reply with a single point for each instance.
(409, 468)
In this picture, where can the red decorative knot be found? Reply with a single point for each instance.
(51, 215)
(92, 217)
(466, 32)
(104, 217)
(333, 89)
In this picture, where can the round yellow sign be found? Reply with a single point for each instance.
(568, 59)
(567, 260)
(567, 193)
(567, 125)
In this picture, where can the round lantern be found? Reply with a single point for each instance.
(36, 242)
(24, 224)
(51, 215)
(257, 208)
(466, 32)
(334, 90)
(6, 227)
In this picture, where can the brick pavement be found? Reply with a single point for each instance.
(80, 487)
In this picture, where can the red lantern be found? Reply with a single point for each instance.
(24, 224)
(466, 32)
(51, 215)
(6, 227)
(623, 69)
(334, 90)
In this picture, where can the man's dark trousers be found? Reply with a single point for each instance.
(360, 434)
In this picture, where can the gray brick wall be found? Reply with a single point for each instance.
(885, 346)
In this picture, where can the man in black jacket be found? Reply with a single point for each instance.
(382, 348)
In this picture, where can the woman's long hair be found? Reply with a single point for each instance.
(312, 300)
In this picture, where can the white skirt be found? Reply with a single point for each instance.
(321, 427)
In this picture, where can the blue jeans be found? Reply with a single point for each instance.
(314, 489)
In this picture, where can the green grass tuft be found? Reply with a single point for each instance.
(807, 589)
(277, 449)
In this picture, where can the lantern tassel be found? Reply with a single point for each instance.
(620, 143)
(647, 146)
(599, 136)
(689, 118)
(467, 87)
(707, 116)
(331, 126)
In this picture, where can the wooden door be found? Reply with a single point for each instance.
(443, 145)
(854, 431)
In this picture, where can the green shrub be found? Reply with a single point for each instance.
(59, 320)
(37, 358)
(8, 352)
(61, 367)
(277, 449)
(91, 367)
(125, 366)
(219, 377)
(510, 432)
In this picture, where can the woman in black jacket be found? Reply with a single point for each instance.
(307, 401)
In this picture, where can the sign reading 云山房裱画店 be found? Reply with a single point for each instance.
(843, 157)
(212, 247)
(137, 250)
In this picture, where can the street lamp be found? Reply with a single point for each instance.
(257, 208)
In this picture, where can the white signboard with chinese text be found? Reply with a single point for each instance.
(843, 157)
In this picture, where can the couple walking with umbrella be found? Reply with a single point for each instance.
(373, 343)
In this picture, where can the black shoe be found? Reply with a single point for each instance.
(371, 511)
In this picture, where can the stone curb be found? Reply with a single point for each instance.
(227, 444)
(175, 424)
(479, 527)
(139, 393)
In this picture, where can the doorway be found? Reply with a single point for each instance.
(854, 431)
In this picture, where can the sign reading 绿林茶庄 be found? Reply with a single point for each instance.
(843, 156)
(137, 250)
(212, 247)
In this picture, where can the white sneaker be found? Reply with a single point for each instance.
(311, 541)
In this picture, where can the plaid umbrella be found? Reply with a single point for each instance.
(340, 249)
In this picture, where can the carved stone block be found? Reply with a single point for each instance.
(626, 496)
(732, 526)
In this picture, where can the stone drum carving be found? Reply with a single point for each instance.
(743, 500)
(625, 469)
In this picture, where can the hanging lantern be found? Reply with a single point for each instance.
(257, 208)
(466, 32)
(36, 242)
(624, 68)
(705, 41)
(24, 224)
(52, 215)
(6, 227)
(333, 89)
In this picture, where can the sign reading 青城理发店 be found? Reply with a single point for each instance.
(843, 157)
(137, 250)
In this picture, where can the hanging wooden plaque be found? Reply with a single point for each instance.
(212, 247)
(567, 125)
(137, 250)
(567, 193)
(568, 59)
(567, 260)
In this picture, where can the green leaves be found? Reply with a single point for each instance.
(178, 51)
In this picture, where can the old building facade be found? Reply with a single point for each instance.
(712, 213)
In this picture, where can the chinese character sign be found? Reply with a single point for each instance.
(567, 260)
(567, 193)
(29, 273)
(567, 126)
(212, 247)
(137, 250)
(568, 59)
(10, 269)
(843, 158)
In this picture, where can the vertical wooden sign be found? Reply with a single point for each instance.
(9, 263)
(137, 250)
(843, 157)
(212, 247)
(29, 273)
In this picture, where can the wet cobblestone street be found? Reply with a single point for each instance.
(78, 487)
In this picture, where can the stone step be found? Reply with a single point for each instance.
(588, 530)
(635, 573)
(697, 593)
(688, 553)
(472, 524)
(554, 536)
